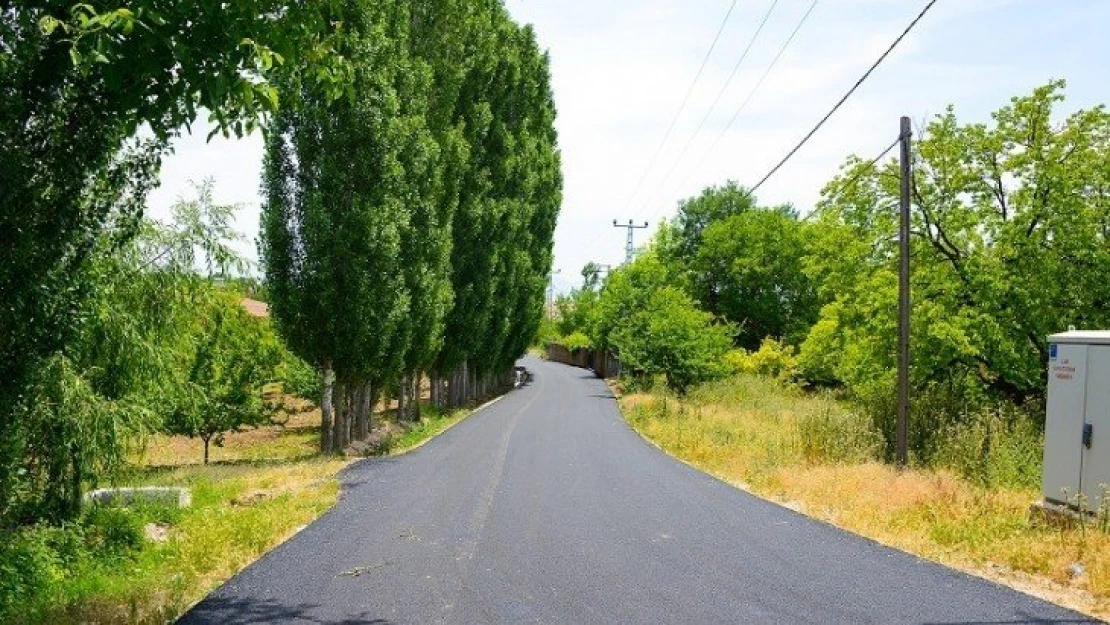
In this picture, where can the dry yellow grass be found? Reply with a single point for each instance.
(747, 432)
(297, 437)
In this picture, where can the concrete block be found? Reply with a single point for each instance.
(165, 495)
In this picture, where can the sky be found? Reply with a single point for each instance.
(621, 68)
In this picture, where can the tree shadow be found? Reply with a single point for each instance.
(1022, 616)
(246, 611)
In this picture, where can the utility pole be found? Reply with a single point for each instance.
(629, 248)
(904, 297)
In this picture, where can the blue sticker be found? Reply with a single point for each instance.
(1052, 351)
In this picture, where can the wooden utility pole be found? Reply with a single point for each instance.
(904, 298)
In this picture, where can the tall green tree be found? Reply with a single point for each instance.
(532, 181)
(510, 193)
(349, 186)
(1010, 244)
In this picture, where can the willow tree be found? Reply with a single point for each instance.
(78, 81)
(341, 180)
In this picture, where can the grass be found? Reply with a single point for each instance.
(816, 455)
(239, 512)
(260, 488)
(432, 424)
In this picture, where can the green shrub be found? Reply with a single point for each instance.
(773, 359)
(575, 341)
(113, 532)
(548, 332)
(670, 336)
(43, 566)
(835, 436)
(299, 378)
(994, 447)
(738, 361)
(30, 567)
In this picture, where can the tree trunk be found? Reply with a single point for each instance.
(206, 440)
(415, 403)
(453, 389)
(401, 399)
(342, 411)
(327, 409)
(362, 414)
(466, 386)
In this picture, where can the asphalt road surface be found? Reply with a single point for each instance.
(546, 508)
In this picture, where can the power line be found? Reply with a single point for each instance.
(677, 115)
(837, 106)
(848, 184)
(682, 107)
(720, 94)
(751, 94)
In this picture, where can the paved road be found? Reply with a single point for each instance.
(546, 508)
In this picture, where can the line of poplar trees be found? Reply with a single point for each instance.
(407, 225)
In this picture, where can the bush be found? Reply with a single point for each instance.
(669, 336)
(113, 532)
(299, 378)
(834, 436)
(576, 341)
(548, 332)
(40, 563)
(30, 567)
(773, 359)
(993, 447)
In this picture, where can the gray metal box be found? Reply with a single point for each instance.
(1077, 426)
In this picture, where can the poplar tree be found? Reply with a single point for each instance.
(341, 178)
(508, 203)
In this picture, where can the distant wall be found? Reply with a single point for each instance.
(601, 361)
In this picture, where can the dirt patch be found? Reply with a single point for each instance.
(156, 532)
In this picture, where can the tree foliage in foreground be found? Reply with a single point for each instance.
(146, 345)
(79, 81)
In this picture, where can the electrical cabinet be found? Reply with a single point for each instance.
(1077, 426)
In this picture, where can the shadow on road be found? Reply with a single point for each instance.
(1023, 617)
(243, 611)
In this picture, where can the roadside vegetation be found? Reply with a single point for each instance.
(411, 183)
(761, 345)
(149, 563)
